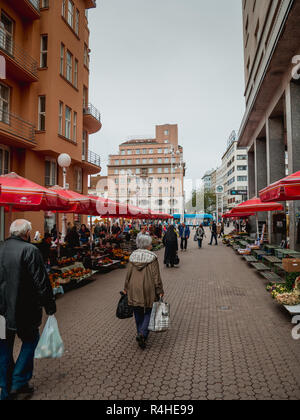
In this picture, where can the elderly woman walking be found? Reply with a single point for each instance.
(143, 286)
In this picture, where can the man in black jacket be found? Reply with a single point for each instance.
(24, 290)
(214, 234)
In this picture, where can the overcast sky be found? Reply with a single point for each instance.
(168, 61)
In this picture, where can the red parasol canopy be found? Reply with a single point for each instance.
(79, 204)
(287, 189)
(20, 194)
(255, 206)
(232, 215)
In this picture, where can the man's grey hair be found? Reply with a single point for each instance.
(143, 241)
(20, 227)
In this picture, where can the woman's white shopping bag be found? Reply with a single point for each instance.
(160, 317)
(50, 345)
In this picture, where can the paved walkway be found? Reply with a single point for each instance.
(229, 339)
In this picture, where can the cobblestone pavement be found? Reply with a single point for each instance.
(229, 339)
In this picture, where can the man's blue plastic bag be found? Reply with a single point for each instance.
(50, 345)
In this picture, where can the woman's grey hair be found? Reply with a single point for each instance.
(20, 227)
(143, 241)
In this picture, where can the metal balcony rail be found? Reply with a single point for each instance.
(17, 53)
(91, 110)
(15, 125)
(92, 158)
(35, 4)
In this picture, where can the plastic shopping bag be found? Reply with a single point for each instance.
(160, 317)
(124, 311)
(50, 345)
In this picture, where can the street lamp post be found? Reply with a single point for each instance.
(64, 161)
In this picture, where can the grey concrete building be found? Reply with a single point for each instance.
(271, 124)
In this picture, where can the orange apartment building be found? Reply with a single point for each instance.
(44, 105)
(149, 173)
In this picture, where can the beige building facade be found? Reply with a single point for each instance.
(149, 173)
(271, 125)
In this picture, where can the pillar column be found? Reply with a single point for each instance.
(275, 162)
(261, 176)
(292, 99)
(251, 175)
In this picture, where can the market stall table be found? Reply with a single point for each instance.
(260, 267)
(258, 253)
(250, 259)
(272, 277)
(271, 260)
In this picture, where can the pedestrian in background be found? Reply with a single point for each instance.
(24, 290)
(143, 286)
(214, 234)
(170, 242)
(184, 234)
(200, 233)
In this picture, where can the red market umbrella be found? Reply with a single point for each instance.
(255, 206)
(286, 189)
(21, 194)
(79, 204)
(236, 216)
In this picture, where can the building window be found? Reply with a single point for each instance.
(78, 179)
(62, 59)
(159, 170)
(137, 152)
(166, 171)
(84, 144)
(76, 73)
(159, 151)
(137, 161)
(63, 8)
(6, 33)
(42, 113)
(50, 173)
(44, 51)
(69, 66)
(70, 13)
(60, 118)
(68, 115)
(242, 178)
(4, 103)
(86, 56)
(44, 4)
(166, 132)
(75, 127)
(242, 168)
(77, 22)
(4, 160)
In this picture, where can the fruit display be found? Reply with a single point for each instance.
(64, 262)
(54, 280)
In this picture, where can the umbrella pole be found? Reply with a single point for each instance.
(91, 235)
(257, 226)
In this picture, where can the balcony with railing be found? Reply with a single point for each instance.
(19, 63)
(90, 4)
(30, 9)
(92, 161)
(15, 130)
(91, 119)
